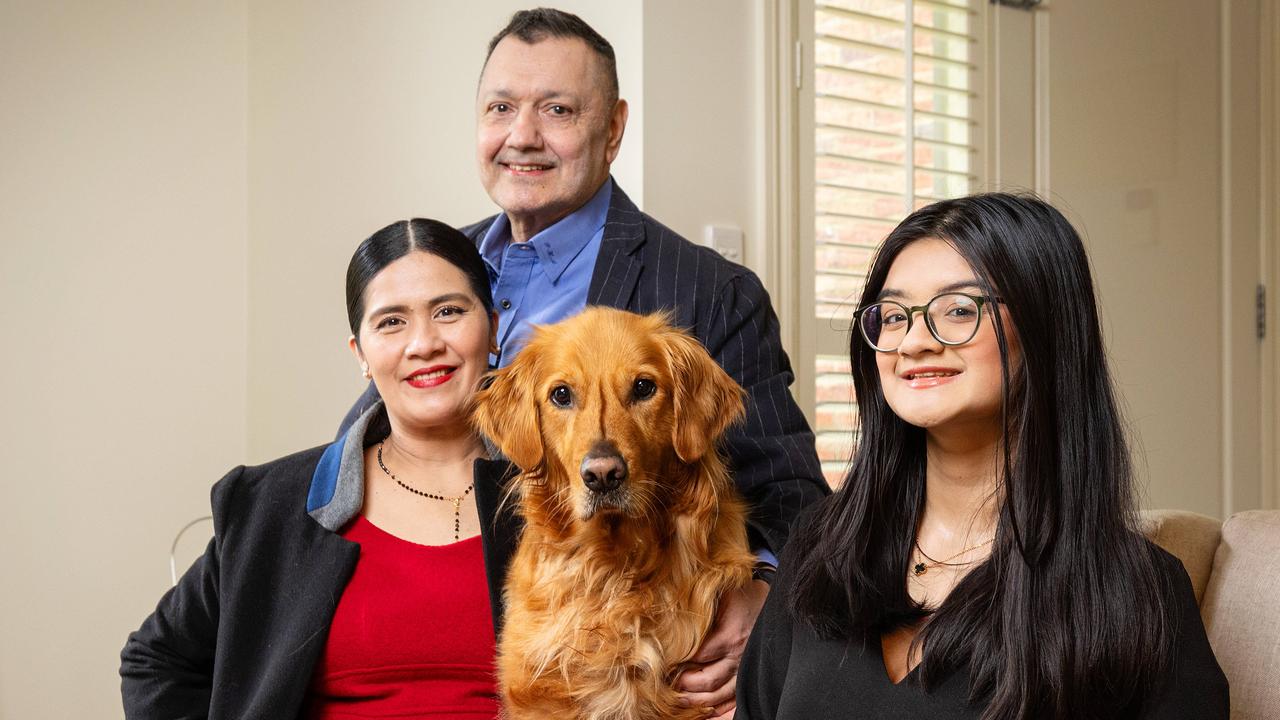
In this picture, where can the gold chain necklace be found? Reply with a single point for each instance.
(921, 568)
(457, 501)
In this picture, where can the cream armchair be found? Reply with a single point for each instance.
(1235, 570)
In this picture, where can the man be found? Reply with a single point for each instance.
(549, 125)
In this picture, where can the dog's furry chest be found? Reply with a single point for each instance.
(609, 615)
(607, 643)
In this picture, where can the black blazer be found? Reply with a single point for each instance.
(240, 634)
(644, 267)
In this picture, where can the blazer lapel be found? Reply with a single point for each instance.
(275, 667)
(331, 561)
(618, 267)
(500, 529)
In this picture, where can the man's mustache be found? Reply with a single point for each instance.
(510, 160)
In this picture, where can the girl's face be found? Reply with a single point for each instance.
(425, 340)
(934, 386)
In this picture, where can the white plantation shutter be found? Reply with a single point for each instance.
(895, 127)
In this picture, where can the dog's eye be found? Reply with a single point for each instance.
(561, 396)
(643, 389)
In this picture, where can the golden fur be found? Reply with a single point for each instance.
(607, 599)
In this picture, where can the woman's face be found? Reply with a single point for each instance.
(424, 339)
(926, 383)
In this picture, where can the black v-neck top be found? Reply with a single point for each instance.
(789, 673)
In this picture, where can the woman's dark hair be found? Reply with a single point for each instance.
(1066, 618)
(401, 238)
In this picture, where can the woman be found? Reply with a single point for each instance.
(350, 580)
(980, 560)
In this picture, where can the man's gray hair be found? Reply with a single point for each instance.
(532, 26)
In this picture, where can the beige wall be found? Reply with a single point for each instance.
(122, 291)
(1270, 192)
(1142, 182)
(706, 137)
(1152, 153)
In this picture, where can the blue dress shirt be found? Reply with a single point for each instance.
(546, 279)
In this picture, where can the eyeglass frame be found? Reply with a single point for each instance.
(979, 300)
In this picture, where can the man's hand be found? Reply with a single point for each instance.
(712, 679)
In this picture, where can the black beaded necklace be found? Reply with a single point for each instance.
(457, 501)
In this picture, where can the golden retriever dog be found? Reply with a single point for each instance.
(633, 529)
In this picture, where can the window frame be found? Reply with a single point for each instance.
(790, 164)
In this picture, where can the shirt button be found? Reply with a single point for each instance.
(506, 304)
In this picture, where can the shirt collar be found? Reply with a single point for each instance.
(557, 245)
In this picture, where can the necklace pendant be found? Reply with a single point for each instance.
(920, 569)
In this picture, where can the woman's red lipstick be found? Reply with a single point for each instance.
(431, 376)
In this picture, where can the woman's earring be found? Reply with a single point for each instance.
(367, 375)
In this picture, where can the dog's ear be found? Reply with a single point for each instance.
(505, 411)
(707, 401)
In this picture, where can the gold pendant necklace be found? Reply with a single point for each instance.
(457, 501)
(921, 568)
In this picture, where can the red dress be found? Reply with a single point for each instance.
(412, 635)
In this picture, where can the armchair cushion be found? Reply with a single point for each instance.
(1241, 610)
(1188, 536)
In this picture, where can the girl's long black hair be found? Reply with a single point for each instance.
(1066, 619)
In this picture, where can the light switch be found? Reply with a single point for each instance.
(724, 239)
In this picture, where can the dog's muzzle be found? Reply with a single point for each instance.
(603, 468)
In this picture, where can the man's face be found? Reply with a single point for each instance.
(546, 132)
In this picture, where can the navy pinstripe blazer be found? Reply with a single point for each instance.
(645, 267)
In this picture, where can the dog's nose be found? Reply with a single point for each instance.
(603, 469)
